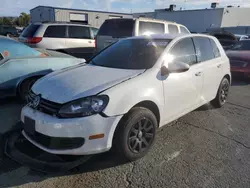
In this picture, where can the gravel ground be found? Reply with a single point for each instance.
(206, 148)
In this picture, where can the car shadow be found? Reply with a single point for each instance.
(96, 163)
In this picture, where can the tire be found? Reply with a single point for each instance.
(135, 134)
(222, 94)
(25, 87)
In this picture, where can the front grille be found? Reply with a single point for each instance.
(45, 106)
(56, 142)
(236, 63)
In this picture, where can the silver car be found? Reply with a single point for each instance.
(74, 39)
(21, 66)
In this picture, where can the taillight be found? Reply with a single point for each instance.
(34, 40)
(95, 42)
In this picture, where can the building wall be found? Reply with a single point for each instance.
(95, 19)
(41, 14)
(194, 20)
(233, 17)
(144, 14)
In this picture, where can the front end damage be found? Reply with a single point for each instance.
(19, 149)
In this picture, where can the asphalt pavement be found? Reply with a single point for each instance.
(206, 148)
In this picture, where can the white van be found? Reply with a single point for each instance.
(115, 29)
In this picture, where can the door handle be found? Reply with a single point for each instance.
(219, 66)
(198, 74)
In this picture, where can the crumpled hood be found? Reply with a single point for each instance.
(74, 83)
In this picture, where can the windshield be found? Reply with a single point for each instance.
(242, 45)
(131, 54)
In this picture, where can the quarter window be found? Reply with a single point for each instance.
(172, 29)
(57, 31)
(184, 52)
(204, 50)
(215, 49)
(184, 30)
(79, 32)
(151, 28)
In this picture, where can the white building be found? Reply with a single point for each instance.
(201, 20)
(55, 14)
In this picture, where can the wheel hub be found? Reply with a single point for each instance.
(141, 136)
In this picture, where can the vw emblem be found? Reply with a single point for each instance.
(35, 101)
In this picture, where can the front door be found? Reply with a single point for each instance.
(183, 90)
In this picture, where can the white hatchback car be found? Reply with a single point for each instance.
(124, 94)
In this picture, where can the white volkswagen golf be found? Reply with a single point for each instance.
(124, 94)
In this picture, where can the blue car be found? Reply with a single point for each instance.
(21, 66)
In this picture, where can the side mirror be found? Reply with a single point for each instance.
(178, 67)
(164, 71)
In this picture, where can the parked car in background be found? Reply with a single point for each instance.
(74, 39)
(239, 56)
(21, 66)
(226, 39)
(9, 31)
(115, 29)
(241, 37)
(143, 83)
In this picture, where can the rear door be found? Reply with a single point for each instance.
(80, 42)
(208, 56)
(54, 37)
(113, 30)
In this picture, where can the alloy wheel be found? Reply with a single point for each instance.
(141, 136)
(224, 92)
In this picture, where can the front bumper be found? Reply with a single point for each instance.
(50, 126)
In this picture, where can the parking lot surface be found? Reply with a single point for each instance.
(206, 148)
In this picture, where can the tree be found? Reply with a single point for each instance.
(24, 19)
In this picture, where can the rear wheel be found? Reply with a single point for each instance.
(135, 134)
(222, 94)
(25, 87)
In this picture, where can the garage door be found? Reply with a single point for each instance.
(78, 17)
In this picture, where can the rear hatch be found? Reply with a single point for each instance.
(28, 36)
(113, 30)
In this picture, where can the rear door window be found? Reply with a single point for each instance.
(204, 49)
(55, 31)
(30, 30)
(184, 30)
(184, 52)
(173, 29)
(151, 28)
(215, 48)
(79, 32)
(117, 28)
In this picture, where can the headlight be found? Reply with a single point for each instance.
(84, 107)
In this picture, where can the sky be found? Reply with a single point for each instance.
(15, 7)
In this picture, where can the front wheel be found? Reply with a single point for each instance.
(222, 94)
(135, 134)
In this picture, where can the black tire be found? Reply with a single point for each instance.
(25, 87)
(135, 134)
(222, 94)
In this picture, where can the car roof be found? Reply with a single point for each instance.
(169, 36)
(60, 23)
